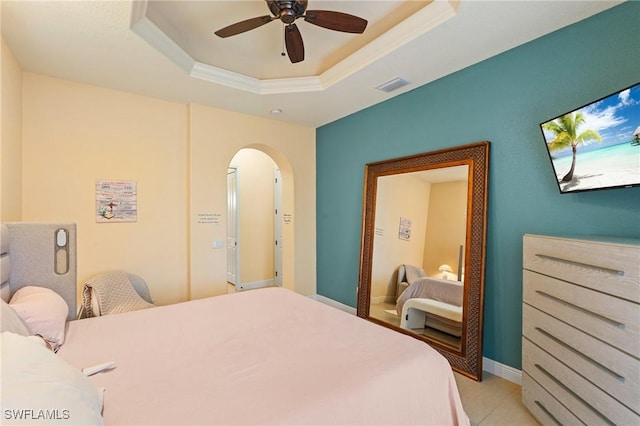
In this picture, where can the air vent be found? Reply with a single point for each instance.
(392, 85)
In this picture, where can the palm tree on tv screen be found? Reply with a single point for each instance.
(565, 130)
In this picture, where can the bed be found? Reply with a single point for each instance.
(431, 302)
(267, 356)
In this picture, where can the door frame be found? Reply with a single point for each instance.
(278, 228)
(233, 227)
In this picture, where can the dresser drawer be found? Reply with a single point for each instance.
(616, 372)
(607, 267)
(585, 400)
(543, 405)
(609, 318)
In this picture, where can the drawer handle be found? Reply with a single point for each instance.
(584, 265)
(583, 310)
(592, 361)
(547, 412)
(553, 378)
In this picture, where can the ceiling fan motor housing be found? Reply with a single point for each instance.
(286, 10)
(287, 16)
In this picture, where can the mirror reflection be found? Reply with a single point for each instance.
(417, 271)
(423, 245)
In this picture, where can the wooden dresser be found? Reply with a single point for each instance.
(581, 330)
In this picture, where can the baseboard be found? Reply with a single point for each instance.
(383, 299)
(502, 370)
(333, 303)
(255, 284)
(490, 366)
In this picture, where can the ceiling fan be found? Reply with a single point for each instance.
(288, 11)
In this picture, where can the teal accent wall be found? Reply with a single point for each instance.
(502, 100)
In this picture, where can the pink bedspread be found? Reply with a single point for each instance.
(261, 357)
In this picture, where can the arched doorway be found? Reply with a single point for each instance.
(255, 220)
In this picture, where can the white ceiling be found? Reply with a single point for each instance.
(167, 49)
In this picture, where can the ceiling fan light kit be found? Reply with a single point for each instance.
(287, 12)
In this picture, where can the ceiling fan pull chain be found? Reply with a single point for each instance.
(282, 53)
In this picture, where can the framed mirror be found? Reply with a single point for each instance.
(422, 255)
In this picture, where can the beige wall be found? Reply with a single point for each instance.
(178, 154)
(215, 137)
(447, 226)
(11, 144)
(397, 196)
(438, 226)
(75, 134)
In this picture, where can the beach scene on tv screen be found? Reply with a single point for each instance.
(597, 146)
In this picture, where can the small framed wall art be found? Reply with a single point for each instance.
(116, 201)
(404, 233)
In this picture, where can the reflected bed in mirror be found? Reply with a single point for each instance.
(422, 255)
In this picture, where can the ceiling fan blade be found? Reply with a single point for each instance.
(293, 41)
(243, 26)
(336, 21)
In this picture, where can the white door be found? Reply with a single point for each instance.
(233, 261)
(279, 242)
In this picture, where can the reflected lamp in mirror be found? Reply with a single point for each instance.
(445, 269)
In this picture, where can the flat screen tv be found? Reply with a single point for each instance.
(597, 146)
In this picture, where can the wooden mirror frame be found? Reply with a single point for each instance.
(467, 360)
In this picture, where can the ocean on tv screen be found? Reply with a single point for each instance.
(598, 145)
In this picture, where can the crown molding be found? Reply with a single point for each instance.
(408, 30)
(414, 26)
(148, 31)
(227, 78)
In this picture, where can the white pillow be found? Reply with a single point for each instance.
(11, 321)
(43, 310)
(38, 387)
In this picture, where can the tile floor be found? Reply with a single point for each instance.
(493, 401)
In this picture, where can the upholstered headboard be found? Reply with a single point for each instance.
(5, 263)
(39, 254)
